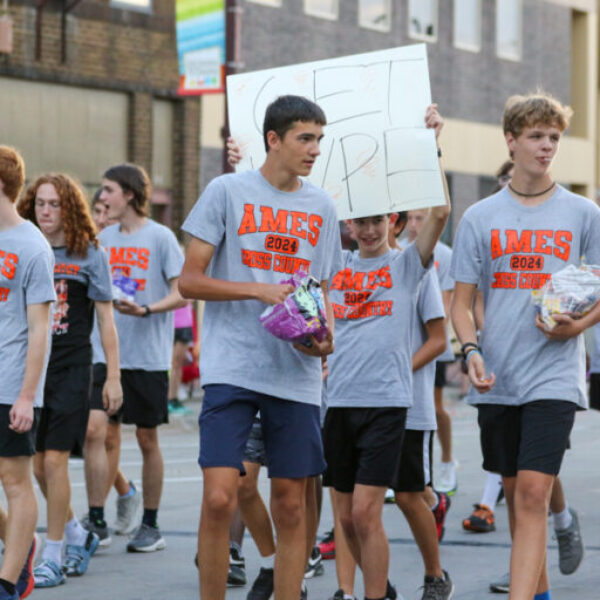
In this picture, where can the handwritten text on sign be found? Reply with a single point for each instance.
(377, 155)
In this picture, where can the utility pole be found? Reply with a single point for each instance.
(233, 61)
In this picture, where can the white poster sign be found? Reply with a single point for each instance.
(377, 156)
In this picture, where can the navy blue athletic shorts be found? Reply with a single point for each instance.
(291, 431)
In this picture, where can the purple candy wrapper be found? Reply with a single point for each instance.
(124, 288)
(301, 314)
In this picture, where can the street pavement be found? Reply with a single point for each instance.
(471, 559)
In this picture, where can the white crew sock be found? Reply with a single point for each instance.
(493, 483)
(562, 519)
(53, 551)
(75, 534)
(267, 562)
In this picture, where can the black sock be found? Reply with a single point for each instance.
(97, 515)
(149, 517)
(384, 598)
(8, 586)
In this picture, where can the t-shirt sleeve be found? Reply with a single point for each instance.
(591, 239)
(39, 279)
(466, 254)
(332, 250)
(430, 305)
(412, 269)
(206, 220)
(171, 256)
(100, 285)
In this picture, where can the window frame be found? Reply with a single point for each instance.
(432, 39)
(370, 26)
(322, 15)
(506, 55)
(465, 45)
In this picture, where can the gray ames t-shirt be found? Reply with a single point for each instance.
(26, 277)
(261, 234)
(374, 303)
(442, 258)
(152, 256)
(421, 416)
(512, 249)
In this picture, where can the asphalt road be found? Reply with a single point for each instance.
(472, 559)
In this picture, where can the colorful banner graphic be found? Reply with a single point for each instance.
(201, 46)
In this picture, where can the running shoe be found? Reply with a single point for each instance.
(439, 512)
(314, 568)
(48, 574)
(390, 496)
(100, 528)
(481, 519)
(146, 539)
(339, 595)
(126, 510)
(176, 407)
(26, 583)
(262, 588)
(390, 592)
(447, 481)
(77, 558)
(327, 546)
(304, 592)
(501, 585)
(438, 588)
(570, 546)
(237, 568)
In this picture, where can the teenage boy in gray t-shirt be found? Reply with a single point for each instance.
(145, 260)
(251, 231)
(26, 291)
(528, 380)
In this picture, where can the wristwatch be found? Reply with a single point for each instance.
(146, 309)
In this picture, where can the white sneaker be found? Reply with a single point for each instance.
(447, 481)
(126, 511)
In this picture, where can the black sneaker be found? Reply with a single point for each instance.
(304, 592)
(100, 528)
(438, 588)
(262, 588)
(390, 592)
(237, 568)
(314, 568)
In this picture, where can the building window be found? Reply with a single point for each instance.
(422, 19)
(326, 9)
(375, 14)
(509, 25)
(267, 2)
(467, 24)
(139, 5)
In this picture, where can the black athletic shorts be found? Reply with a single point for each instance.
(362, 445)
(415, 469)
(440, 374)
(98, 381)
(184, 334)
(532, 437)
(144, 398)
(64, 417)
(14, 444)
(595, 391)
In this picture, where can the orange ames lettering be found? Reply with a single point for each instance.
(269, 223)
(562, 243)
(296, 227)
(495, 244)
(315, 222)
(514, 243)
(117, 256)
(4, 292)
(248, 224)
(8, 267)
(541, 241)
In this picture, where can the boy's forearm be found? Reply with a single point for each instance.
(203, 287)
(110, 345)
(428, 352)
(37, 343)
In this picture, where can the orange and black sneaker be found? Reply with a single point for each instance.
(481, 520)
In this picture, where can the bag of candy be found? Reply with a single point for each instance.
(124, 288)
(300, 315)
(570, 291)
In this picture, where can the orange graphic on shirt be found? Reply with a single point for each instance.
(528, 250)
(4, 292)
(60, 313)
(358, 287)
(8, 264)
(121, 259)
(66, 269)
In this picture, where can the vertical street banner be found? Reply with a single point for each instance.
(200, 46)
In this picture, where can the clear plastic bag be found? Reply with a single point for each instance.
(571, 291)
